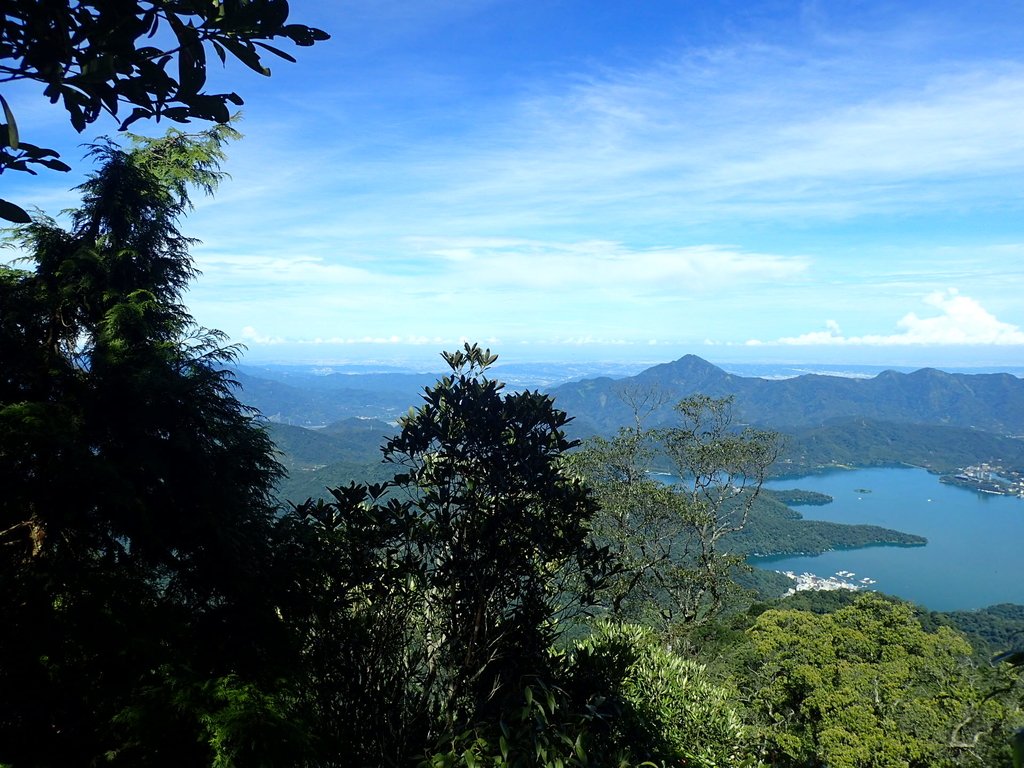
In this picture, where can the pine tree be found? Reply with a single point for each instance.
(137, 502)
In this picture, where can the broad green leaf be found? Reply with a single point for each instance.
(303, 35)
(276, 51)
(12, 126)
(12, 212)
(245, 53)
(54, 165)
(136, 114)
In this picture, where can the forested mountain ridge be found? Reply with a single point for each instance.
(350, 450)
(988, 402)
(318, 400)
(318, 459)
(928, 418)
(865, 442)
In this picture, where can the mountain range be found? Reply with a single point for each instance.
(942, 421)
(991, 403)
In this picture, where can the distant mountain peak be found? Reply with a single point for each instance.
(689, 366)
(694, 360)
(926, 396)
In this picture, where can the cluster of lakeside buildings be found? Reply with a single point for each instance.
(988, 478)
(813, 582)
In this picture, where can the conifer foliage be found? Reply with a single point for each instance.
(137, 497)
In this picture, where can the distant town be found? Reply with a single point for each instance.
(812, 582)
(989, 478)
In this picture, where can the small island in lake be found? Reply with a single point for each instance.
(793, 497)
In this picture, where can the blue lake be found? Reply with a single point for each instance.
(975, 551)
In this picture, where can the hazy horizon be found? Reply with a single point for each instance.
(422, 359)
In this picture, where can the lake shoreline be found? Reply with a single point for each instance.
(971, 557)
(823, 469)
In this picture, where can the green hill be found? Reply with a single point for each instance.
(866, 442)
(985, 402)
(337, 454)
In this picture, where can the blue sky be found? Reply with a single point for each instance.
(746, 181)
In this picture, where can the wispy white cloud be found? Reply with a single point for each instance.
(961, 321)
(435, 265)
(252, 337)
(604, 266)
(572, 293)
(749, 132)
(659, 141)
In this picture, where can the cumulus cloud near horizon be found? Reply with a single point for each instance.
(961, 320)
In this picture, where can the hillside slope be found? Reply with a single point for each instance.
(987, 402)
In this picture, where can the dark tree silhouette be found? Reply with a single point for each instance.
(147, 55)
(137, 504)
